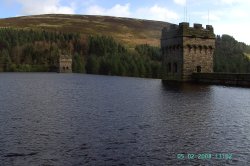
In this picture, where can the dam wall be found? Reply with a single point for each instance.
(222, 78)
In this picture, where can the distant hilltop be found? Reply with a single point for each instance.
(126, 30)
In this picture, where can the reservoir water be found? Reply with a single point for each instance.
(76, 119)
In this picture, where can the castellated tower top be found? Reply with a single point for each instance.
(184, 30)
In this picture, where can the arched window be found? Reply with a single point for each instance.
(210, 49)
(175, 68)
(189, 48)
(169, 67)
(195, 48)
(198, 69)
(205, 48)
(200, 49)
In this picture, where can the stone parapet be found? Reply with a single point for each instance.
(184, 30)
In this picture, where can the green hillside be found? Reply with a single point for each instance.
(125, 30)
(99, 45)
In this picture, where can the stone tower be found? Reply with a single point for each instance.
(187, 50)
(65, 64)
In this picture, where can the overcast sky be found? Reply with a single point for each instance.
(227, 16)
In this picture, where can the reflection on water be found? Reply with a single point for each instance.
(184, 87)
(73, 119)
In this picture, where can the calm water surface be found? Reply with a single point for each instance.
(75, 119)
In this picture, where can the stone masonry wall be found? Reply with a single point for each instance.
(190, 49)
(65, 65)
(172, 53)
(198, 52)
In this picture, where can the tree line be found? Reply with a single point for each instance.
(38, 51)
(29, 50)
(231, 56)
(106, 56)
(32, 51)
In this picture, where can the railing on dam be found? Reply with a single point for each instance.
(222, 78)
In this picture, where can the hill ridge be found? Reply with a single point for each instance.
(130, 31)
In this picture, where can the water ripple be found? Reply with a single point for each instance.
(74, 119)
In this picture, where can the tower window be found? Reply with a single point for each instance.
(169, 67)
(210, 50)
(198, 69)
(195, 48)
(200, 49)
(205, 50)
(175, 68)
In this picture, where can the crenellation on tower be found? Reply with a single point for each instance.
(210, 28)
(198, 26)
(183, 29)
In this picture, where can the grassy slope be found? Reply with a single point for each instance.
(126, 30)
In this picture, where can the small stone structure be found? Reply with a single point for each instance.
(187, 50)
(65, 64)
